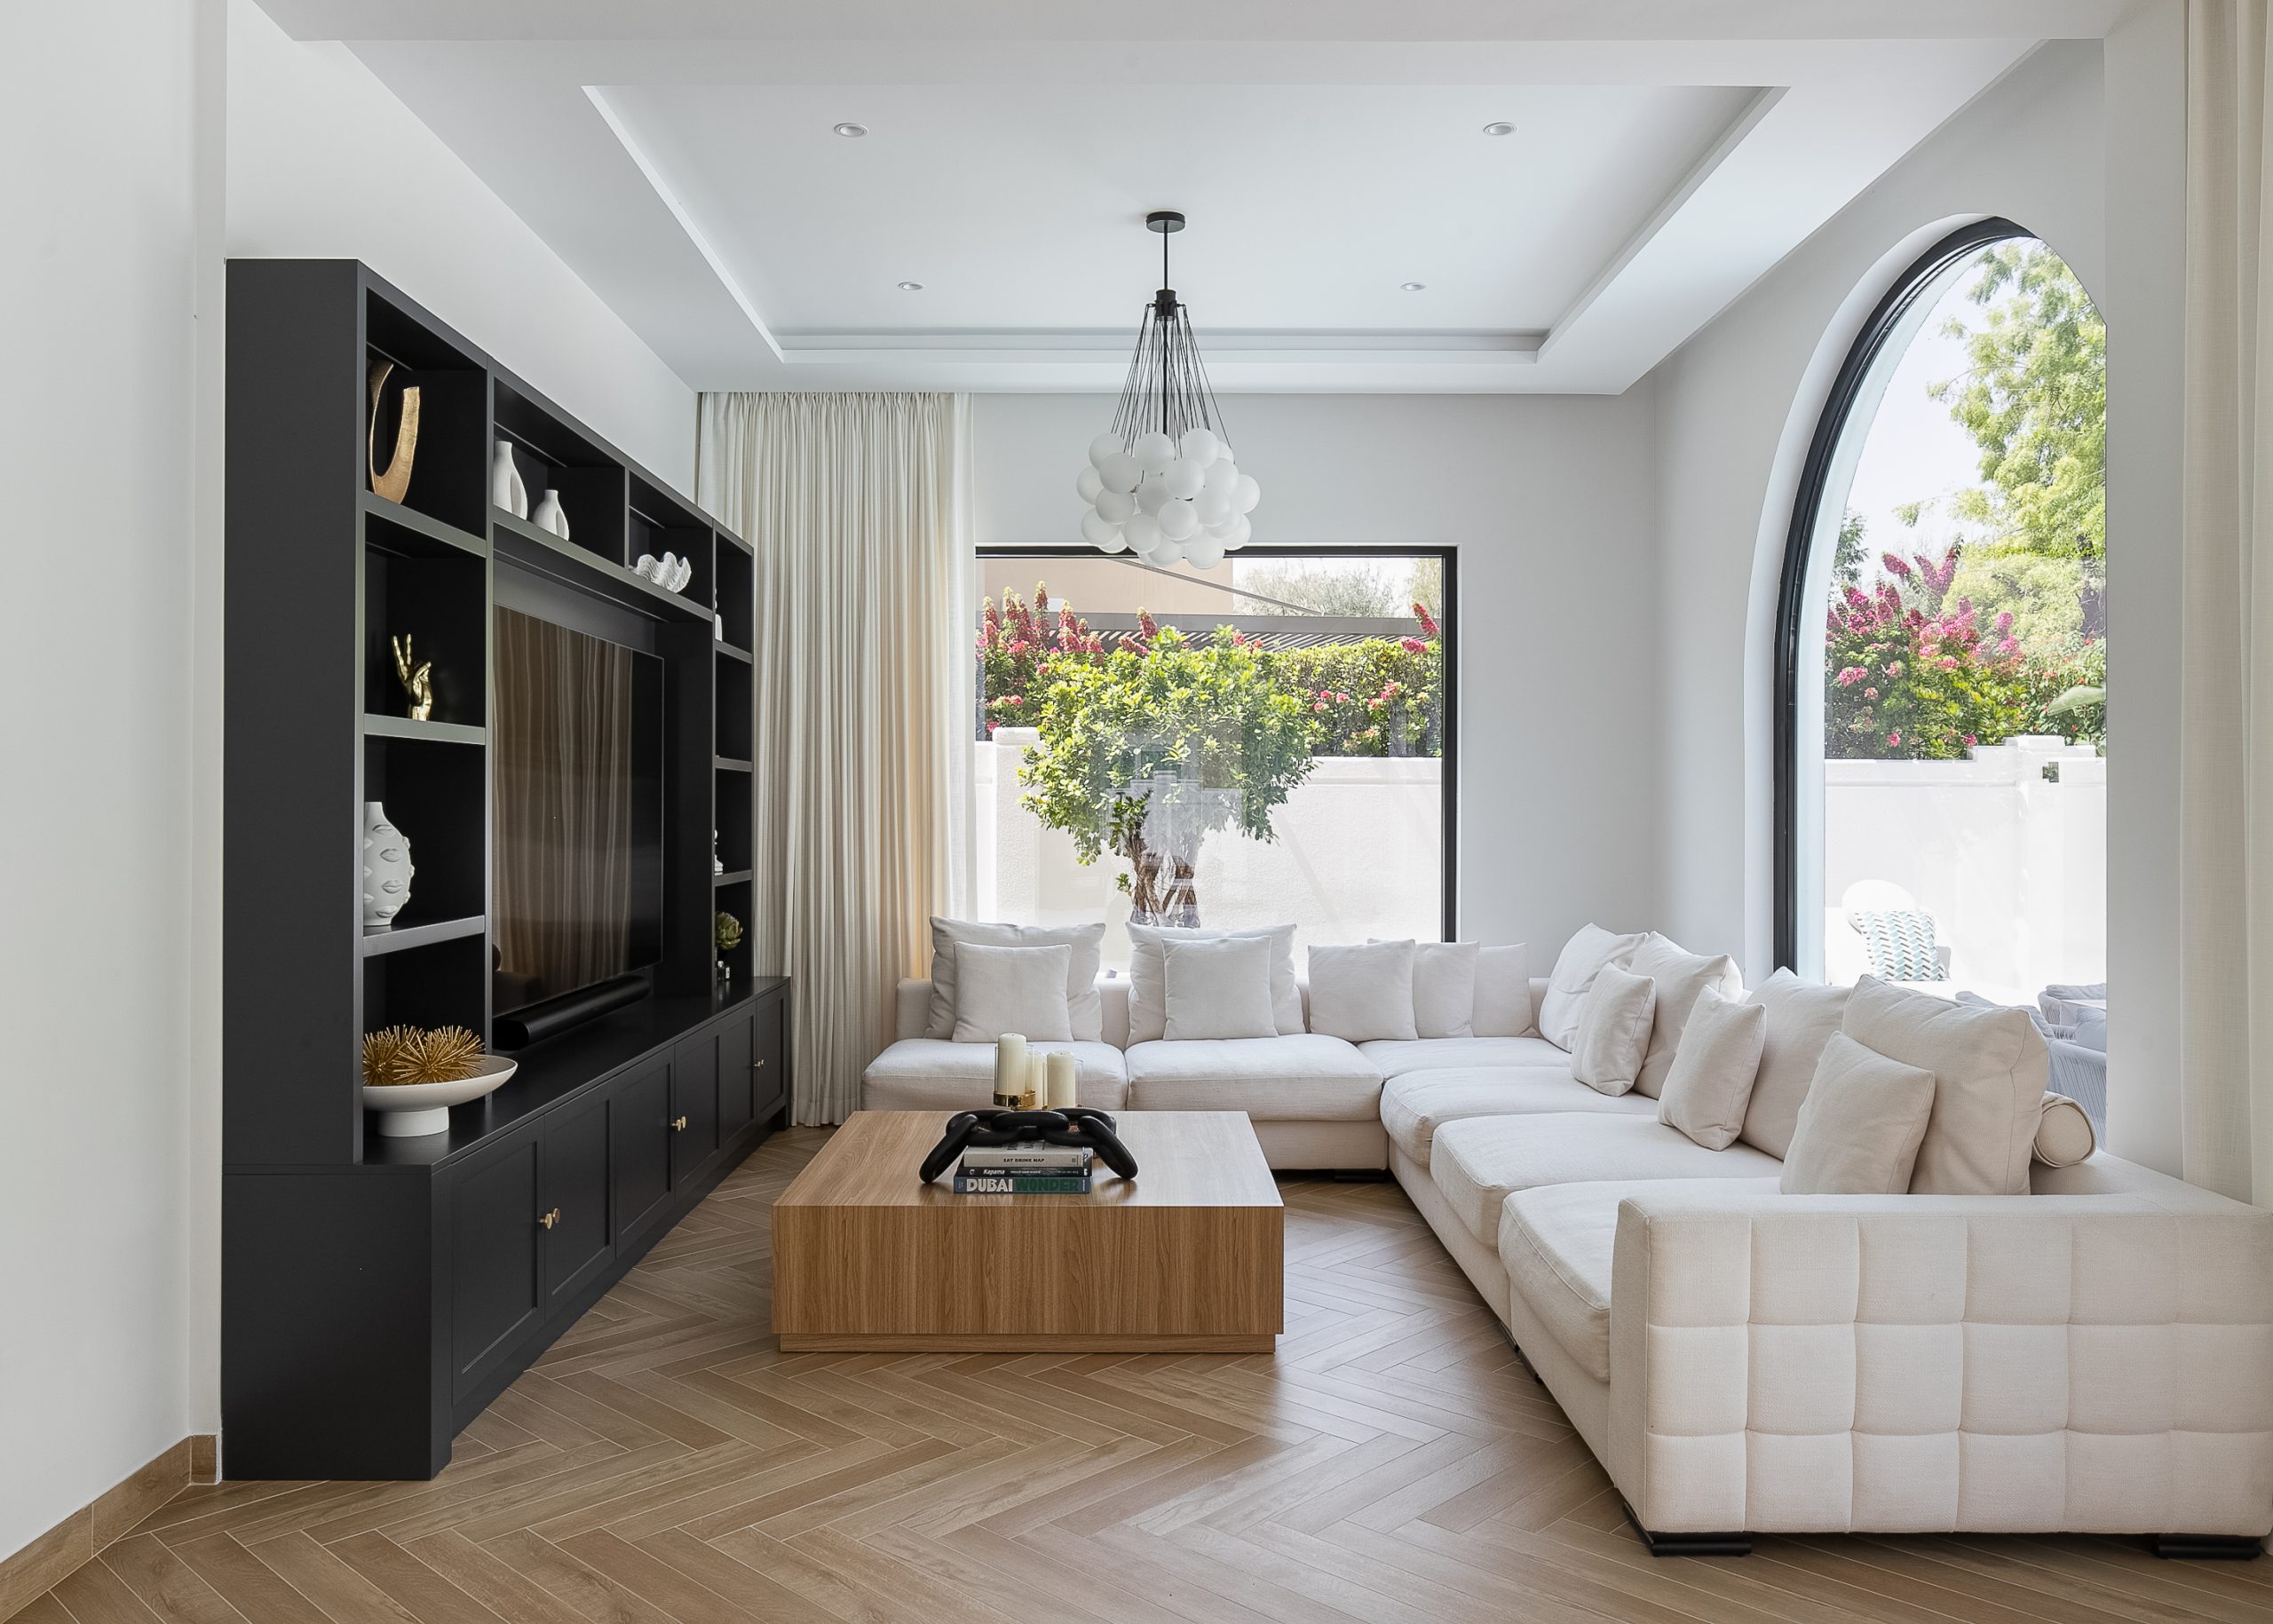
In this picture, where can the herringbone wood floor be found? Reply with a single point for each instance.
(1392, 1464)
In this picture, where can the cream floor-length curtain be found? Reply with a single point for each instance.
(2226, 707)
(856, 506)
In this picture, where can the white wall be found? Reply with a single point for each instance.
(325, 162)
(1550, 502)
(97, 112)
(2092, 173)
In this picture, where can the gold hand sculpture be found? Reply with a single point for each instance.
(419, 684)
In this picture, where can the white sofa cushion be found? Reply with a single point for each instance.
(1478, 1162)
(1556, 1244)
(1363, 992)
(1614, 1031)
(1444, 990)
(1575, 972)
(1218, 989)
(934, 1074)
(1415, 1105)
(1010, 989)
(1859, 1129)
(1710, 1083)
(1680, 976)
(1148, 990)
(1991, 1070)
(1503, 993)
(1308, 1076)
(1082, 1015)
(1396, 1057)
(1801, 1016)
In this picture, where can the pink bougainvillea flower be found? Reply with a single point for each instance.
(1412, 645)
(1319, 705)
(992, 724)
(1894, 668)
(2005, 621)
(1897, 564)
(1870, 694)
(1894, 737)
(1969, 742)
(1946, 663)
(1428, 620)
(1146, 624)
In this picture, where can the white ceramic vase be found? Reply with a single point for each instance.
(386, 867)
(408, 1110)
(549, 516)
(506, 489)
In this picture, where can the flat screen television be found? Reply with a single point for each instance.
(577, 875)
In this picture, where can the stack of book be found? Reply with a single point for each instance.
(1024, 1169)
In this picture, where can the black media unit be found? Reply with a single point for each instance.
(377, 1293)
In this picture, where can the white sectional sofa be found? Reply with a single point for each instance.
(2094, 1357)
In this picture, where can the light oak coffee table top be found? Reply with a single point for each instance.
(1187, 1257)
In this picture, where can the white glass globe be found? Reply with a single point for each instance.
(1203, 552)
(1142, 532)
(1178, 522)
(1167, 553)
(1150, 495)
(1214, 506)
(1247, 495)
(1113, 543)
(1183, 479)
(1103, 447)
(1154, 452)
(1087, 485)
(1235, 535)
(1200, 445)
(1221, 475)
(1097, 530)
(1116, 506)
(1119, 473)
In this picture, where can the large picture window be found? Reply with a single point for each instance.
(1270, 741)
(1943, 646)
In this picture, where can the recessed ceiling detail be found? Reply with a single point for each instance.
(707, 189)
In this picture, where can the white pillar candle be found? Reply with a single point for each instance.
(1062, 1072)
(1037, 1079)
(1010, 1069)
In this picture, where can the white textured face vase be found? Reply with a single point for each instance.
(386, 867)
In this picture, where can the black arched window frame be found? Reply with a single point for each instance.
(1795, 613)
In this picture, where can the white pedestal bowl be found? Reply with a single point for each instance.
(408, 1110)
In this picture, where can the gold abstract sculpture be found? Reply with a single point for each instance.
(395, 1055)
(418, 683)
(394, 482)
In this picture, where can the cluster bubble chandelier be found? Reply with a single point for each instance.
(1162, 483)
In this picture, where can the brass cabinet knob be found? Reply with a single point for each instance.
(678, 1124)
(759, 1066)
(551, 1218)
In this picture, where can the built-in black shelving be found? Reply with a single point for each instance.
(377, 1292)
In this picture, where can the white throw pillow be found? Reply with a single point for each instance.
(1614, 1032)
(1218, 989)
(1710, 1083)
(1680, 976)
(1444, 989)
(2064, 1133)
(1801, 1018)
(1560, 1009)
(1010, 989)
(1989, 1067)
(1362, 993)
(1502, 992)
(1085, 1007)
(1860, 1125)
(1148, 993)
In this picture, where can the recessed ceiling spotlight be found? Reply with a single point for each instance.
(1412, 287)
(1498, 130)
(910, 287)
(850, 131)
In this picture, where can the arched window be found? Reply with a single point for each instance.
(1941, 651)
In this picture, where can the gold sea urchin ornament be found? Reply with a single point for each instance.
(400, 1055)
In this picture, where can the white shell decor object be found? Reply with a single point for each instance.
(386, 867)
(549, 516)
(507, 490)
(408, 1110)
(685, 573)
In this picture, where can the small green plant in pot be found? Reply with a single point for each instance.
(727, 931)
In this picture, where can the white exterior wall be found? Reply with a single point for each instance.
(1358, 854)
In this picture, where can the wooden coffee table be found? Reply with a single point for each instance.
(1186, 1257)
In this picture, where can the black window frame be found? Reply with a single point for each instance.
(1448, 632)
(1794, 612)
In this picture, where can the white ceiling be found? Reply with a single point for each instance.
(1326, 153)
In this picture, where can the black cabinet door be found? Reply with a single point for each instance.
(577, 1236)
(737, 1079)
(639, 1149)
(694, 1105)
(496, 1296)
(771, 1064)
